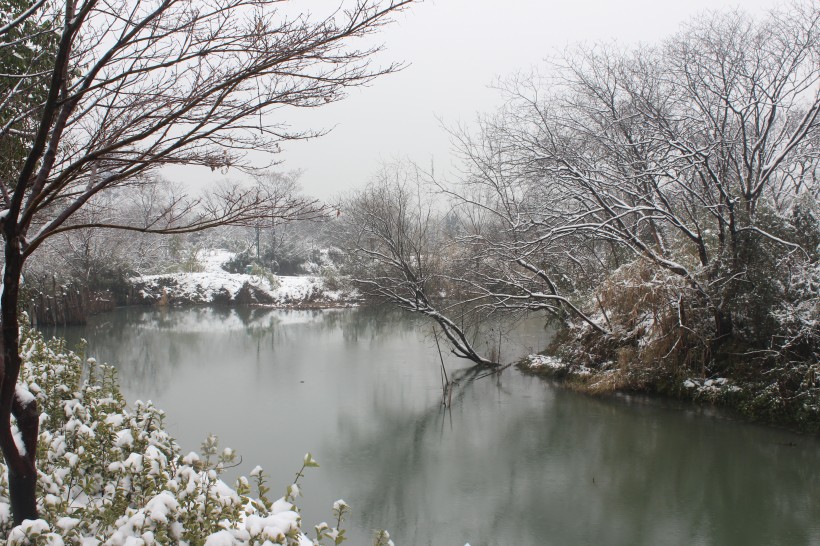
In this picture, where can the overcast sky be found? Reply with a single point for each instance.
(454, 50)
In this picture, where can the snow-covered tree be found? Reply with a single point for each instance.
(400, 254)
(663, 198)
(689, 167)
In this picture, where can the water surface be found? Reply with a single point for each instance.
(515, 460)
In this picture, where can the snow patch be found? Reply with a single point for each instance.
(544, 361)
(709, 386)
(23, 395)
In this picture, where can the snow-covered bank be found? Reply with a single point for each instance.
(553, 367)
(215, 285)
(756, 397)
(605, 378)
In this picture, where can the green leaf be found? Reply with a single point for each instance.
(310, 462)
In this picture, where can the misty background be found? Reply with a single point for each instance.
(453, 51)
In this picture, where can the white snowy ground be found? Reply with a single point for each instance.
(554, 365)
(215, 285)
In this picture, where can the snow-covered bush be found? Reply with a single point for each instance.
(651, 316)
(662, 339)
(109, 474)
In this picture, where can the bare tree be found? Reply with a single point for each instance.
(281, 186)
(394, 233)
(128, 87)
(517, 231)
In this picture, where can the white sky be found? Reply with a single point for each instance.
(454, 50)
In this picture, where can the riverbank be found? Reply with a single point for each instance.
(214, 285)
(761, 399)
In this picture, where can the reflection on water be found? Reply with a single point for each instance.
(515, 461)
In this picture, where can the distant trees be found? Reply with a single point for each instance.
(97, 259)
(105, 92)
(275, 243)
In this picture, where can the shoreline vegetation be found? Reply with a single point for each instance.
(298, 292)
(209, 283)
(761, 398)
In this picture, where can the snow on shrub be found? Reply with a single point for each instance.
(110, 475)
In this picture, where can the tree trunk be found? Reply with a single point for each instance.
(22, 489)
(723, 325)
(18, 458)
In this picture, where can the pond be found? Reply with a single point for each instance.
(515, 460)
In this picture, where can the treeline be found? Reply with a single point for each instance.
(87, 270)
(659, 202)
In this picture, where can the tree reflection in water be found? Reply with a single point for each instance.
(514, 461)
